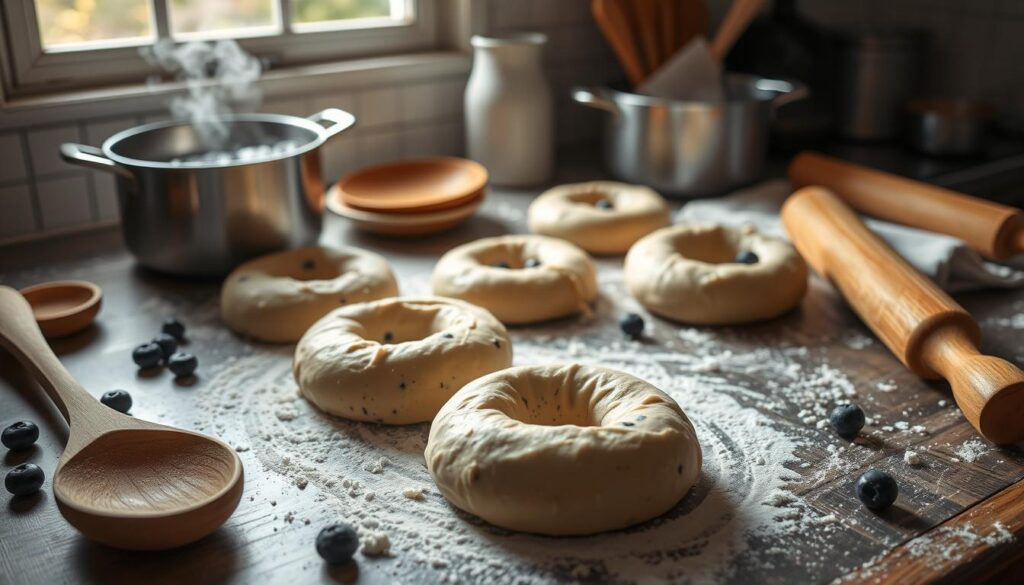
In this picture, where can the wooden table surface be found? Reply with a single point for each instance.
(937, 500)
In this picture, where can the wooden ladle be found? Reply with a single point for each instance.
(121, 481)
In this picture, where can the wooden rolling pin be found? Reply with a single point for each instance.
(927, 330)
(994, 230)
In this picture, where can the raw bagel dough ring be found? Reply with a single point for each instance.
(688, 273)
(563, 449)
(569, 212)
(563, 284)
(277, 297)
(396, 361)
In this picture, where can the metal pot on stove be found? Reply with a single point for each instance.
(185, 210)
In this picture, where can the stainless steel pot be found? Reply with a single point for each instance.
(204, 218)
(690, 148)
(947, 127)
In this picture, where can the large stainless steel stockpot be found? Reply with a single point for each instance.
(690, 148)
(184, 214)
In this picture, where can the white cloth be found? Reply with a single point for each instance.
(947, 260)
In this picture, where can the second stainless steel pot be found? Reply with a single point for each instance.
(203, 217)
(690, 148)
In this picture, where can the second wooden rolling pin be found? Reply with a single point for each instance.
(995, 230)
(926, 329)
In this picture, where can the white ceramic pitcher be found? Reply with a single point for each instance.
(509, 110)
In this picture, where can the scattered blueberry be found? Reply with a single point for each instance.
(20, 435)
(119, 400)
(24, 480)
(168, 344)
(877, 489)
(747, 257)
(603, 204)
(501, 264)
(847, 419)
(174, 327)
(182, 364)
(337, 543)
(531, 263)
(148, 355)
(632, 325)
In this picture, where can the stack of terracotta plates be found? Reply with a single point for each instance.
(412, 197)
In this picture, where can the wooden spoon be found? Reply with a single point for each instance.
(616, 26)
(121, 481)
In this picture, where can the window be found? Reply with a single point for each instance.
(60, 44)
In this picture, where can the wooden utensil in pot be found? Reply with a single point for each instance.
(741, 13)
(122, 481)
(995, 230)
(926, 329)
(616, 25)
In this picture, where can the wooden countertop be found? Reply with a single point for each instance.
(258, 544)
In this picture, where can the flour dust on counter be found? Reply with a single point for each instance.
(758, 407)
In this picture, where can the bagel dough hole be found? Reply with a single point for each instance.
(709, 247)
(394, 329)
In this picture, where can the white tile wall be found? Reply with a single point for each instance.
(44, 148)
(18, 217)
(13, 152)
(64, 202)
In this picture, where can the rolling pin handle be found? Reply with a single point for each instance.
(989, 390)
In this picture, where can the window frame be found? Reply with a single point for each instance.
(30, 70)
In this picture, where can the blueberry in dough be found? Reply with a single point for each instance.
(877, 490)
(501, 264)
(603, 204)
(531, 263)
(746, 257)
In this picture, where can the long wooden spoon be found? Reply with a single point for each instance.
(615, 24)
(736, 21)
(121, 481)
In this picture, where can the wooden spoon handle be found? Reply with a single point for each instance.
(994, 230)
(20, 335)
(615, 25)
(741, 13)
(921, 324)
(646, 28)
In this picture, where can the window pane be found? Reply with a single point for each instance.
(222, 17)
(312, 11)
(69, 22)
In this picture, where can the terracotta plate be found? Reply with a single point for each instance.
(65, 306)
(414, 186)
(404, 224)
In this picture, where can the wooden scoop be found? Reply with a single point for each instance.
(923, 326)
(615, 23)
(121, 481)
(995, 230)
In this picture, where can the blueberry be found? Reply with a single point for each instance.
(182, 364)
(309, 265)
(747, 257)
(168, 344)
(175, 328)
(603, 204)
(20, 435)
(24, 480)
(632, 325)
(531, 263)
(119, 400)
(877, 489)
(337, 543)
(501, 264)
(847, 419)
(388, 337)
(148, 355)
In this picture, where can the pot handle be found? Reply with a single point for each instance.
(92, 157)
(595, 98)
(338, 120)
(788, 91)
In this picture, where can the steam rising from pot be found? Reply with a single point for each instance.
(219, 78)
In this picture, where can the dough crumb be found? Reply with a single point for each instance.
(887, 386)
(912, 458)
(376, 544)
(376, 466)
(413, 493)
